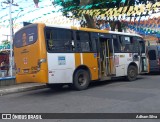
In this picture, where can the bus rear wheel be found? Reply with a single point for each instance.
(81, 79)
(132, 73)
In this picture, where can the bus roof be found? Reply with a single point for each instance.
(125, 33)
(93, 30)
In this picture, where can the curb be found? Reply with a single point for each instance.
(21, 89)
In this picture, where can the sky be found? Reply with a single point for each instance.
(26, 11)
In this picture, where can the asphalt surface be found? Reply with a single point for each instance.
(119, 96)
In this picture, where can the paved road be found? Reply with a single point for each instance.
(142, 95)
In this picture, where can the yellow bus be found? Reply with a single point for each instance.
(76, 56)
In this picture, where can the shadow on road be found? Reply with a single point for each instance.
(95, 84)
(113, 81)
(152, 73)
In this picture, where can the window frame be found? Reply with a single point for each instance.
(91, 38)
(23, 30)
(57, 29)
(123, 37)
(117, 37)
(155, 55)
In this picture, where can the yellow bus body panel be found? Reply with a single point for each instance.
(87, 59)
(77, 59)
(34, 52)
(37, 78)
(90, 61)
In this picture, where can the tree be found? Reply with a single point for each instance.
(36, 2)
(75, 5)
(5, 42)
(71, 5)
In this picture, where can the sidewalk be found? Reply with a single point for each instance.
(20, 88)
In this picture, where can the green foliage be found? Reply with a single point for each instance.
(72, 5)
(69, 5)
(5, 45)
(75, 6)
(5, 42)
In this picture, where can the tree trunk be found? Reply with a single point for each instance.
(90, 21)
(85, 2)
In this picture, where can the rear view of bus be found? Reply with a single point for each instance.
(30, 54)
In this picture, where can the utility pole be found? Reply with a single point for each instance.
(6, 36)
(10, 3)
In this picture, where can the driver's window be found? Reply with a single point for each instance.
(49, 39)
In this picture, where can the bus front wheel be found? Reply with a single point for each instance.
(81, 79)
(132, 73)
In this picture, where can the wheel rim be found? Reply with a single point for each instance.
(132, 73)
(82, 80)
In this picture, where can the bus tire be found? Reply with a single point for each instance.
(132, 73)
(81, 79)
(55, 86)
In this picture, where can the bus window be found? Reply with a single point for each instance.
(152, 54)
(83, 41)
(26, 36)
(122, 45)
(49, 40)
(135, 44)
(125, 43)
(129, 44)
(116, 45)
(158, 51)
(58, 43)
(94, 42)
(142, 44)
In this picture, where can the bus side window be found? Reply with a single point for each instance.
(122, 45)
(69, 41)
(60, 40)
(135, 44)
(83, 41)
(126, 44)
(94, 42)
(49, 39)
(159, 51)
(116, 45)
(152, 54)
